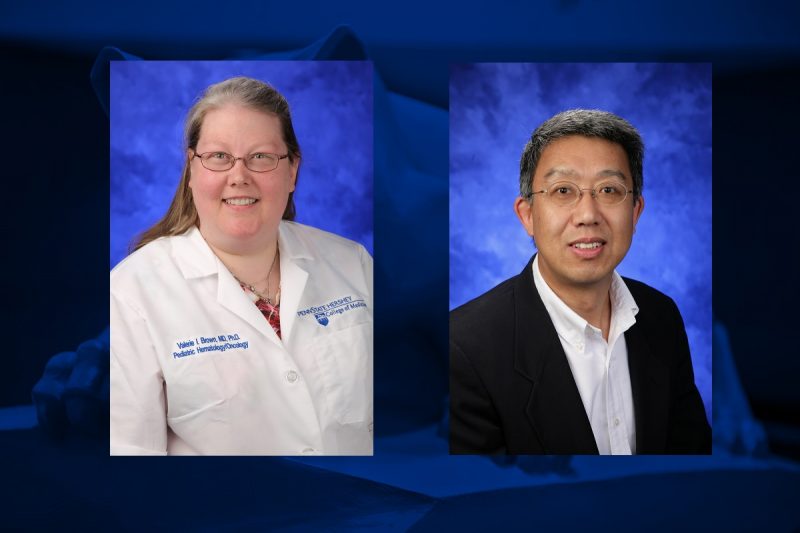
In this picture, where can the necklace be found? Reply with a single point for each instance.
(255, 291)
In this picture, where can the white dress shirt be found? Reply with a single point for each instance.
(600, 368)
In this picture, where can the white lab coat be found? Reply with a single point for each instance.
(197, 369)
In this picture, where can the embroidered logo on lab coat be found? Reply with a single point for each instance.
(326, 312)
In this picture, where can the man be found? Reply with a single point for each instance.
(568, 357)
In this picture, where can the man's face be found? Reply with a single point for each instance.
(581, 245)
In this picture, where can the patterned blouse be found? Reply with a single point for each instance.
(271, 312)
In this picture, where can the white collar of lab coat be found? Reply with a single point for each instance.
(193, 255)
(196, 259)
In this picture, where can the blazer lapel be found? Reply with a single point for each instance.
(650, 387)
(554, 407)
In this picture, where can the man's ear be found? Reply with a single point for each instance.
(638, 207)
(524, 210)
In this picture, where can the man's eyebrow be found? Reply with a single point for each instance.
(560, 171)
(612, 173)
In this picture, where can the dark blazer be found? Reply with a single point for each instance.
(512, 391)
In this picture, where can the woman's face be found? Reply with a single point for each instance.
(239, 209)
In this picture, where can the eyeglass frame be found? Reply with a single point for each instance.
(580, 193)
(234, 159)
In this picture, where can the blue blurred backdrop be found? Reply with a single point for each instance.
(56, 280)
(495, 107)
(331, 105)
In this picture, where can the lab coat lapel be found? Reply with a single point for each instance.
(649, 386)
(231, 296)
(196, 260)
(293, 281)
(294, 252)
(554, 407)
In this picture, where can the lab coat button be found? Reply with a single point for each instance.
(308, 451)
(292, 376)
(616, 421)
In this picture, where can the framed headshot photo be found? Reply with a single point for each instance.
(580, 258)
(241, 253)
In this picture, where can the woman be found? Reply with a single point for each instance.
(233, 329)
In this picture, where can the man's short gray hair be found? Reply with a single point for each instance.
(588, 123)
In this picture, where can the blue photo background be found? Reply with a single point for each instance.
(331, 106)
(495, 107)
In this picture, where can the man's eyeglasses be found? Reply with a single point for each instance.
(567, 194)
(257, 162)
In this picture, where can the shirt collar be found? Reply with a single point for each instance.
(624, 307)
(570, 326)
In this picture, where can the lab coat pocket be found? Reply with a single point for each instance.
(345, 360)
(194, 414)
(193, 386)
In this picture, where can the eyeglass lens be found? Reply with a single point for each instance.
(258, 162)
(607, 193)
